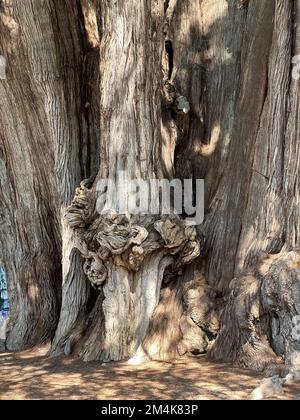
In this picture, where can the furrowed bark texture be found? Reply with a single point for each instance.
(43, 155)
(106, 82)
(126, 257)
(255, 206)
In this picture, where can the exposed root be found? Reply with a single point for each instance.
(185, 321)
(258, 322)
(269, 387)
(274, 386)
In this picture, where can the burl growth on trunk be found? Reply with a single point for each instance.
(135, 261)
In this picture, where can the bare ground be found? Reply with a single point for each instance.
(31, 375)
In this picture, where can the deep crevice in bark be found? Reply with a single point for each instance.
(224, 93)
(170, 57)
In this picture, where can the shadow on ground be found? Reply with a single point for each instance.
(31, 375)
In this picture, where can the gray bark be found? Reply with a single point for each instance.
(44, 146)
(102, 80)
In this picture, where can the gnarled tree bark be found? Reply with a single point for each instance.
(193, 89)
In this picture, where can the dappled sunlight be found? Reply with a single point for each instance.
(66, 378)
(214, 10)
(36, 352)
(33, 292)
(209, 149)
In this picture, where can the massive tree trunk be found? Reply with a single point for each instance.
(45, 152)
(105, 82)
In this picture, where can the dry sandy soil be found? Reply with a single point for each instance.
(31, 375)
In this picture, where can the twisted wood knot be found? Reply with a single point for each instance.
(125, 240)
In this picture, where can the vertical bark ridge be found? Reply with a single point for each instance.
(40, 160)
